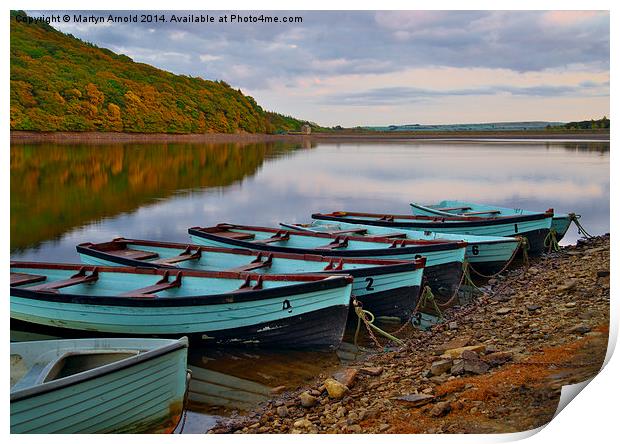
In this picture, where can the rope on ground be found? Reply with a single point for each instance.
(522, 243)
(368, 318)
(575, 218)
(551, 241)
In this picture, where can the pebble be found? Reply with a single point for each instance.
(440, 367)
(346, 376)
(307, 400)
(503, 311)
(580, 329)
(416, 399)
(335, 389)
(282, 411)
(372, 371)
(440, 409)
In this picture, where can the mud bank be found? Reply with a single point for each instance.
(494, 366)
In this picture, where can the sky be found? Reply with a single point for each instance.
(354, 68)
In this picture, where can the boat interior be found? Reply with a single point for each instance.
(27, 373)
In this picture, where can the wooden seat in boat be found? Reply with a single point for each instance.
(336, 243)
(163, 284)
(255, 264)
(246, 286)
(334, 264)
(235, 235)
(280, 236)
(473, 213)
(186, 255)
(25, 278)
(138, 255)
(451, 208)
(351, 231)
(79, 278)
(392, 235)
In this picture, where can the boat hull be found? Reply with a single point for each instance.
(145, 397)
(223, 317)
(535, 229)
(399, 302)
(444, 280)
(485, 252)
(368, 281)
(443, 268)
(320, 329)
(560, 222)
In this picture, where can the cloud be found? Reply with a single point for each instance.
(360, 46)
(396, 95)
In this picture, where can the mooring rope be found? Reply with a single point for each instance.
(368, 318)
(522, 244)
(575, 218)
(188, 378)
(551, 241)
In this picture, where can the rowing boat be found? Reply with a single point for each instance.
(385, 287)
(560, 222)
(117, 385)
(444, 260)
(534, 227)
(286, 311)
(485, 254)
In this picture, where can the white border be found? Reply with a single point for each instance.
(591, 418)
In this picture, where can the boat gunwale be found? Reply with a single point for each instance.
(308, 283)
(498, 240)
(439, 212)
(375, 239)
(97, 372)
(375, 266)
(434, 221)
(409, 246)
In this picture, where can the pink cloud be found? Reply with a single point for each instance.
(569, 18)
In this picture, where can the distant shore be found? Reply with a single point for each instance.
(340, 136)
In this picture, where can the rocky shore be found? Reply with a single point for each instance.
(496, 365)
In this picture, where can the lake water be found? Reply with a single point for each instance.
(63, 195)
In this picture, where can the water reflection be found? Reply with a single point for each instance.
(55, 188)
(55, 195)
(239, 380)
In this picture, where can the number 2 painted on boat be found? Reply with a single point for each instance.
(369, 282)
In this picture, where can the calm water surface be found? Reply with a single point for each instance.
(62, 195)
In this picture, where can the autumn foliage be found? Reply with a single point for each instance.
(60, 83)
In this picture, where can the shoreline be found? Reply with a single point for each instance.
(67, 137)
(496, 365)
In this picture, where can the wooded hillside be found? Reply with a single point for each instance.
(60, 83)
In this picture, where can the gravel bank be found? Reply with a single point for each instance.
(495, 366)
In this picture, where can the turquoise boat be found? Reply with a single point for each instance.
(560, 222)
(486, 254)
(444, 260)
(286, 311)
(117, 385)
(385, 287)
(535, 227)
